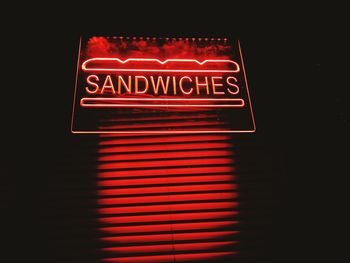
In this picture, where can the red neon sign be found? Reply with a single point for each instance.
(120, 78)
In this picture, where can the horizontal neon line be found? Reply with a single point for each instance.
(161, 70)
(85, 68)
(167, 207)
(106, 105)
(163, 99)
(155, 132)
(88, 102)
(169, 237)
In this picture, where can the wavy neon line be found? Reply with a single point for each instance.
(85, 68)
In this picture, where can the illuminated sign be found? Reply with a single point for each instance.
(161, 85)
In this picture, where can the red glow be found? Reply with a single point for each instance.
(188, 124)
(158, 118)
(167, 189)
(162, 139)
(162, 163)
(166, 180)
(169, 247)
(154, 228)
(166, 198)
(169, 171)
(169, 237)
(202, 256)
(177, 190)
(166, 207)
(170, 258)
(166, 217)
(157, 47)
(163, 155)
(141, 259)
(161, 147)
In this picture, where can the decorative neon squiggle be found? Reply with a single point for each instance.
(86, 68)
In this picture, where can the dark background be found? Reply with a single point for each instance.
(297, 90)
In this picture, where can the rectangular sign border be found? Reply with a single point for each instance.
(163, 132)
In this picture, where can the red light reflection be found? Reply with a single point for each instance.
(167, 198)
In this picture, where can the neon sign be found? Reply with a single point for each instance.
(122, 78)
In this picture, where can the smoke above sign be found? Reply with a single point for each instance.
(161, 85)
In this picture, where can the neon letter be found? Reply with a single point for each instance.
(121, 81)
(180, 85)
(233, 85)
(92, 84)
(202, 84)
(216, 85)
(160, 80)
(174, 85)
(137, 84)
(109, 85)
